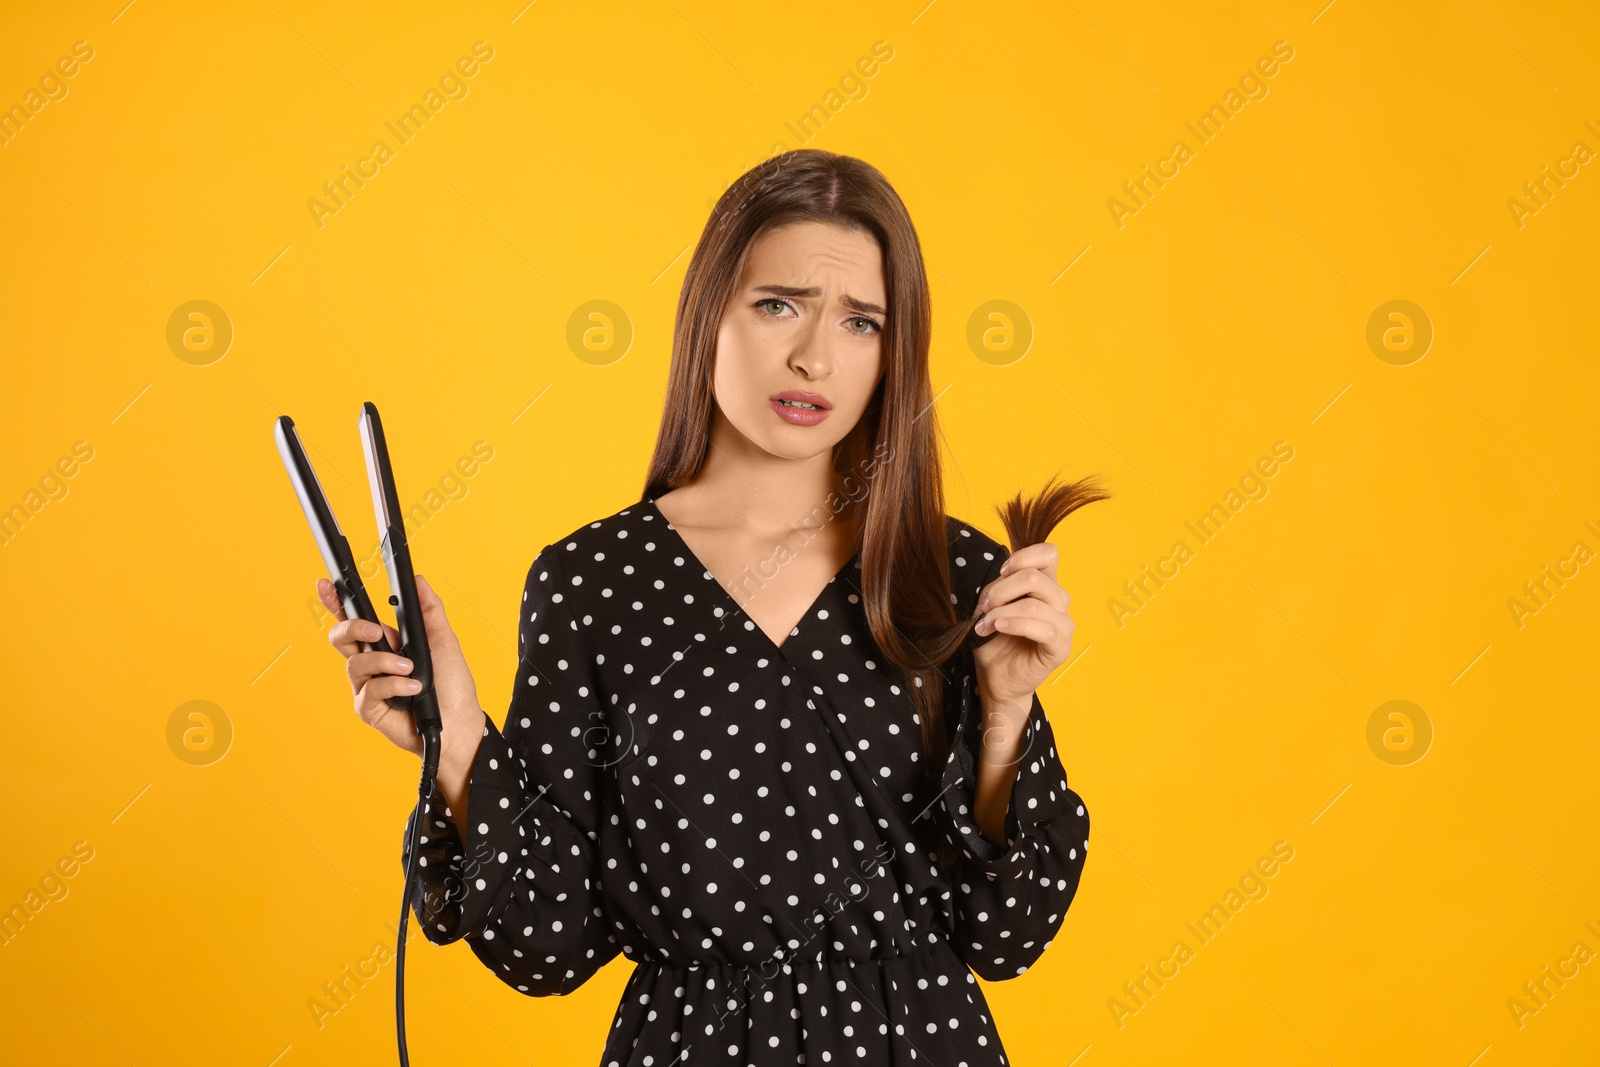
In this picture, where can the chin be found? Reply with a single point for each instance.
(789, 442)
(786, 446)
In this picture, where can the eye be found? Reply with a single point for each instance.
(877, 327)
(771, 300)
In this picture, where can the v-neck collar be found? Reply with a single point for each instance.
(728, 598)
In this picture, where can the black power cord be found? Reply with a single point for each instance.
(430, 771)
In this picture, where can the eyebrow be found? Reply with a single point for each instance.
(848, 301)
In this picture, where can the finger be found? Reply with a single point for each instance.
(375, 694)
(1025, 582)
(434, 619)
(349, 635)
(1027, 609)
(1013, 621)
(330, 598)
(1043, 555)
(365, 665)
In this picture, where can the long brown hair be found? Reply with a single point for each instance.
(905, 534)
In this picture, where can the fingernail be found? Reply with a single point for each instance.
(983, 605)
(411, 685)
(405, 664)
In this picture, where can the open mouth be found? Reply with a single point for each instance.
(801, 400)
(800, 408)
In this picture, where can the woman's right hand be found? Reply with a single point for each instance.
(376, 676)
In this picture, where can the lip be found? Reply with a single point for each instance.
(799, 416)
(804, 397)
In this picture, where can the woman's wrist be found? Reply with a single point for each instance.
(1003, 728)
(456, 759)
(1004, 708)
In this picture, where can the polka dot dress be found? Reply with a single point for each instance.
(746, 821)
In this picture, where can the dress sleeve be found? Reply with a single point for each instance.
(1010, 899)
(524, 888)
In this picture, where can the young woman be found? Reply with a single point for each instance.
(739, 750)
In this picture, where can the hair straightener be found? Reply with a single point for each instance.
(342, 570)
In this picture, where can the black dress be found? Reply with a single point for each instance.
(747, 822)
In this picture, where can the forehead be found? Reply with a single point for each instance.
(807, 253)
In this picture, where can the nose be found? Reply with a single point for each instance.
(811, 355)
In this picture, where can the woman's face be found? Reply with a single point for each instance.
(805, 325)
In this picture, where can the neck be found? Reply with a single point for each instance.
(745, 487)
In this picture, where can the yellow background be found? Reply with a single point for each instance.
(1230, 712)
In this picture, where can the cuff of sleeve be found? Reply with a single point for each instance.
(1038, 794)
(460, 883)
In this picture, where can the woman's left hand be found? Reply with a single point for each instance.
(1026, 609)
